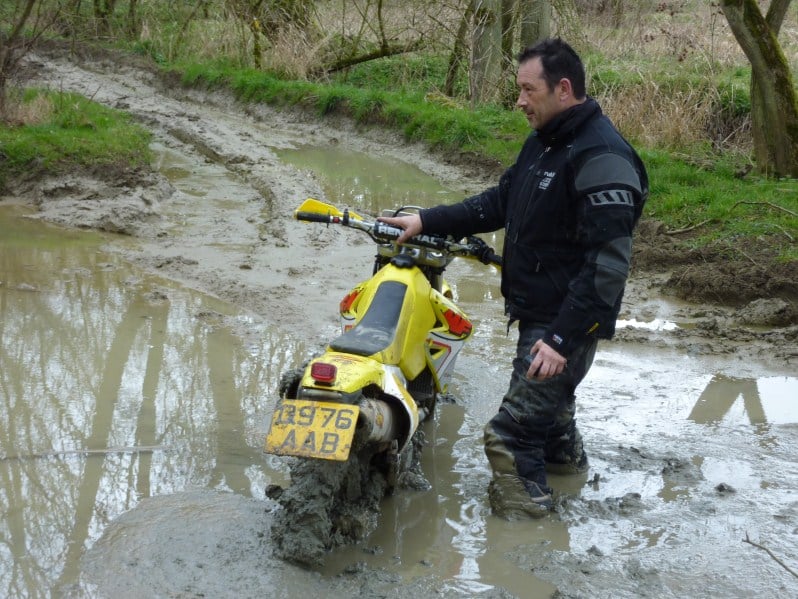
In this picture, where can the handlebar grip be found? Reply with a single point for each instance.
(493, 258)
(386, 231)
(313, 217)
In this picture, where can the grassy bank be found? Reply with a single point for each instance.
(53, 133)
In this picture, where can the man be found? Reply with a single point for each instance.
(568, 207)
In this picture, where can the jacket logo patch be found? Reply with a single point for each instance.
(614, 197)
(548, 176)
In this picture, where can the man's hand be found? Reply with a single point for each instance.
(546, 363)
(411, 224)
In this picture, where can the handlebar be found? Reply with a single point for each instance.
(382, 232)
(314, 217)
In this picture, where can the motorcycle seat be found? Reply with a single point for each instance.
(377, 329)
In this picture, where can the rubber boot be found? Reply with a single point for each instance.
(512, 498)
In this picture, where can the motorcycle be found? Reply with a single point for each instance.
(349, 418)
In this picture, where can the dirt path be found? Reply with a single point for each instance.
(216, 131)
(249, 251)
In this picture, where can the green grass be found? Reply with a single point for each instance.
(73, 132)
(411, 112)
(722, 206)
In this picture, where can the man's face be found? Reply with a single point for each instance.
(539, 103)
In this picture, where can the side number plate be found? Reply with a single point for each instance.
(312, 429)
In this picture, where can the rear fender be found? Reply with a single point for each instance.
(358, 373)
(353, 373)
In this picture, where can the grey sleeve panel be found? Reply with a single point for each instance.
(607, 170)
(612, 268)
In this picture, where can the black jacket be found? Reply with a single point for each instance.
(568, 207)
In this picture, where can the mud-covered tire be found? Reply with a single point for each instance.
(289, 382)
(329, 504)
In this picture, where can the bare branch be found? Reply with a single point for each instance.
(770, 553)
(771, 204)
(104, 451)
(381, 53)
(690, 228)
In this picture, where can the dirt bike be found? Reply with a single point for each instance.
(350, 417)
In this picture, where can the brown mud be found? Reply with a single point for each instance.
(749, 312)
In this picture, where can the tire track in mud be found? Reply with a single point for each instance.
(281, 257)
(207, 129)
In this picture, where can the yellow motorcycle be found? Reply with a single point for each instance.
(351, 416)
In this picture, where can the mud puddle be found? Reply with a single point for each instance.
(692, 440)
(116, 386)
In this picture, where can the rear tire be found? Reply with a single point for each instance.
(329, 504)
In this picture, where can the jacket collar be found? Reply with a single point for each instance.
(564, 125)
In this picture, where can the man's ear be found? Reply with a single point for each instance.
(566, 89)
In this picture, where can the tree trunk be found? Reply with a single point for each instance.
(509, 21)
(103, 9)
(458, 50)
(774, 19)
(509, 18)
(132, 20)
(773, 97)
(486, 52)
(257, 50)
(535, 21)
(12, 48)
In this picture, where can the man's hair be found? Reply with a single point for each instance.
(559, 61)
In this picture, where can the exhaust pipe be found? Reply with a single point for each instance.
(377, 420)
(380, 422)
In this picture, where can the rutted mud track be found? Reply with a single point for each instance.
(242, 140)
(254, 255)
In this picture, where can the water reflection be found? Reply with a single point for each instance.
(719, 401)
(357, 180)
(114, 387)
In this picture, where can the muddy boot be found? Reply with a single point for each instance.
(512, 498)
(567, 455)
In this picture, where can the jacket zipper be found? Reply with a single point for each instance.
(530, 177)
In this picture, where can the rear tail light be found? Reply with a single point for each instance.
(323, 372)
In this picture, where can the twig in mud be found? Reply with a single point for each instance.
(747, 256)
(783, 230)
(107, 450)
(684, 274)
(770, 553)
(771, 204)
(690, 228)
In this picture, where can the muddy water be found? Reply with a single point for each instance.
(115, 387)
(351, 178)
(119, 387)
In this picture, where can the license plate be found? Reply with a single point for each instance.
(312, 429)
